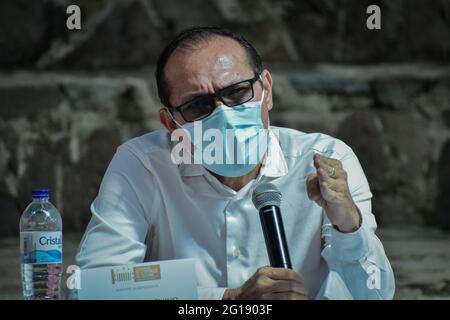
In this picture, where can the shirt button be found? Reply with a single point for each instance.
(236, 252)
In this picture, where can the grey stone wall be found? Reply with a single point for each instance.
(69, 98)
(130, 33)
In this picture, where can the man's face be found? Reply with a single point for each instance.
(213, 65)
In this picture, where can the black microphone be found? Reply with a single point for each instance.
(267, 198)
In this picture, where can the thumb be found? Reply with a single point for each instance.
(313, 187)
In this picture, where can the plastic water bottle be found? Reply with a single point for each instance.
(41, 248)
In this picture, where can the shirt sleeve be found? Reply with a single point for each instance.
(118, 227)
(359, 267)
(117, 230)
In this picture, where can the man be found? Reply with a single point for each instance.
(150, 207)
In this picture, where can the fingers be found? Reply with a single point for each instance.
(276, 283)
(329, 188)
(328, 193)
(327, 161)
(280, 274)
(329, 183)
(338, 185)
(324, 176)
(330, 171)
(332, 167)
(312, 187)
(289, 286)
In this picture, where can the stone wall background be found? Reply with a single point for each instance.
(69, 98)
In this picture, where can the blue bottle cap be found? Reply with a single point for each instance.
(40, 193)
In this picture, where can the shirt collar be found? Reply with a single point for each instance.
(274, 164)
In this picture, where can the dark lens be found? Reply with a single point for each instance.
(197, 109)
(237, 94)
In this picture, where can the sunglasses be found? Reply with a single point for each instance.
(202, 106)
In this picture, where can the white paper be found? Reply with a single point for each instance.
(160, 280)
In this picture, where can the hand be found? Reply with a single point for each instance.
(329, 189)
(270, 284)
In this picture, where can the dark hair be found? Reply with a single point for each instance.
(190, 37)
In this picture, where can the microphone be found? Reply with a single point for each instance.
(267, 198)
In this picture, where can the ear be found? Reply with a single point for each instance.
(267, 83)
(166, 119)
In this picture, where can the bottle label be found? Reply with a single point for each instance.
(38, 247)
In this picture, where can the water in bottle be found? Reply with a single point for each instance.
(41, 248)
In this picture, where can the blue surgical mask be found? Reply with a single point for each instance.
(244, 139)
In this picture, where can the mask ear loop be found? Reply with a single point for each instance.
(173, 118)
(262, 101)
(179, 127)
(263, 91)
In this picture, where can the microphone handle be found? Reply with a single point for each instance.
(275, 238)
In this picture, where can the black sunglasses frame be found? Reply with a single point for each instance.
(217, 95)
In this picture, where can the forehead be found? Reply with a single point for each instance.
(214, 63)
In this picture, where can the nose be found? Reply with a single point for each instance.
(217, 102)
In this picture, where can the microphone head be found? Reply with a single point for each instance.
(266, 194)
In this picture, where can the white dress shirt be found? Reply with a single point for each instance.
(149, 208)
